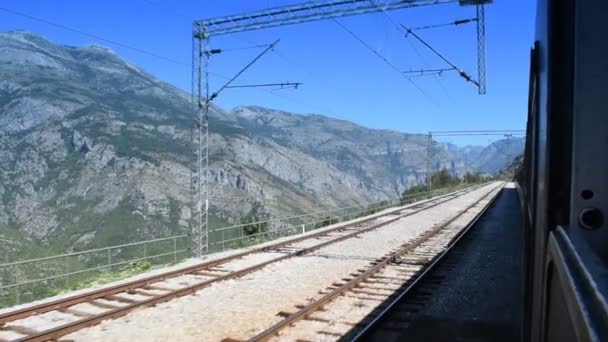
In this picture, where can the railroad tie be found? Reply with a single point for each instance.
(157, 288)
(19, 329)
(103, 305)
(284, 314)
(120, 299)
(329, 333)
(371, 299)
(316, 319)
(206, 274)
(74, 312)
(369, 293)
(144, 293)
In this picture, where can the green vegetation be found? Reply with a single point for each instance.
(509, 172)
(376, 207)
(26, 293)
(443, 178)
(251, 225)
(107, 229)
(408, 194)
(123, 272)
(475, 177)
(326, 221)
(251, 222)
(443, 181)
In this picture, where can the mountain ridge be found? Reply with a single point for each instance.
(96, 151)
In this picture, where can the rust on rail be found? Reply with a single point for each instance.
(305, 312)
(146, 283)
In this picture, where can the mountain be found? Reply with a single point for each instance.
(94, 151)
(494, 157)
(511, 170)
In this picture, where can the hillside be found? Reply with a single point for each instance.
(94, 151)
(511, 170)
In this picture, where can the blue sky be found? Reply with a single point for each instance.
(341, 77)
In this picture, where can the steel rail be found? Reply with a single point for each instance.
(100, 293)
(270, 332)
(57, 332)
(373, 324)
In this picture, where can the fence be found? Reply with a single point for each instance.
(246, 234)
(27, 280)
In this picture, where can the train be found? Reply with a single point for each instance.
(564, 179)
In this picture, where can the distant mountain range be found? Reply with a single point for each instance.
(94, 151)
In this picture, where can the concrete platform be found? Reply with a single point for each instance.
(480, 298)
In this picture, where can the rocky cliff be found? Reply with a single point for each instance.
(94, 151)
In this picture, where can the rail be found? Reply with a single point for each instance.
(246, 234)
(363, 275)
(27, 280)
(205, 269)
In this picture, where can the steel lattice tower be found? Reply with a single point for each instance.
(199, 178)
(203, 30)
(481, 48)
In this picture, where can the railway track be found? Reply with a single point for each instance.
(392, 321)
(380, 285)
(117, 301)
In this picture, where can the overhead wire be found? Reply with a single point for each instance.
(286, 60)
(453, 23)
(400, 29)
(127, 46)
(257, 46)
(296, 65)
(110, 41)
(231, 80)
(275, 51)
(462, 73)
(384, 59)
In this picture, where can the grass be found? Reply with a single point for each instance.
(32, 292)
(114, 225)
(123, 272)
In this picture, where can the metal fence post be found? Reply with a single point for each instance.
(17, 295)
(109, 259)
(175, 250)
(223, 240)
(145, 251)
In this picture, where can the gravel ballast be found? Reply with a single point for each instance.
(241, 307)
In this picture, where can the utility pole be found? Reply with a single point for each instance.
(199, 179)
(257, 20)
(509, 157)
(429, 175)
(481, 48)
(464, 159)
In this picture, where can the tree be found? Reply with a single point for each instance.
(439, 179)
(473, 177)
(407, 193)
(251, 222)
(443, 178)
